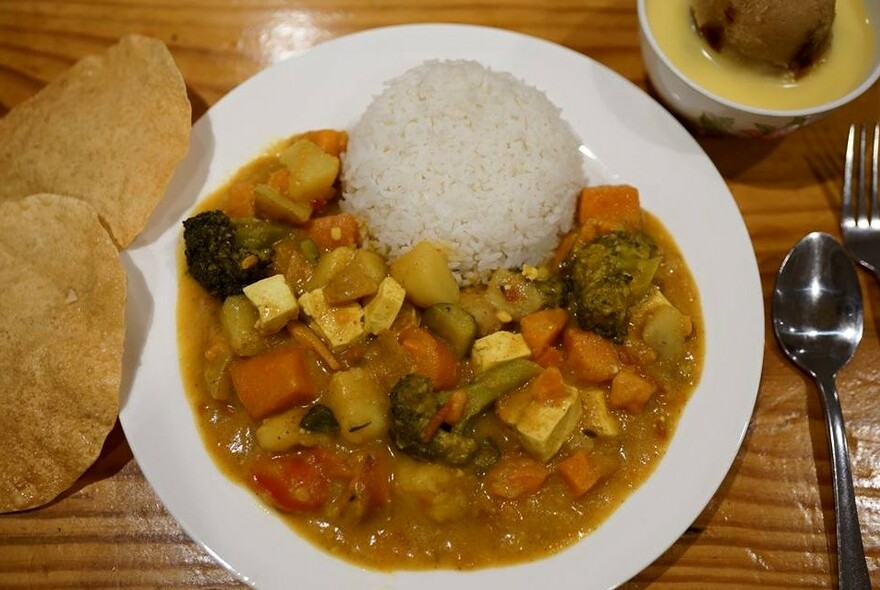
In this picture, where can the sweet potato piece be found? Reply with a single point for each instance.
(240, 200)
(516, 477)
(331, 141)
(580, 472)
(431, 357)
(280, 181)
(273, 381)
(589, 357)
(540, 329)
(630, 391)
(332, 231)
(548, 387)
(552, 357)
(610, 208)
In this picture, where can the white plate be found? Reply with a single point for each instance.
(627, 138)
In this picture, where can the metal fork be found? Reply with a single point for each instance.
(860, 208)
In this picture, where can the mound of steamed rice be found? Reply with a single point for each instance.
(466, 157)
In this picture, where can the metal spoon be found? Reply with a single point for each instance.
(817, 317)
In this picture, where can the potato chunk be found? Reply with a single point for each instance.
(283, 431)
(424, 272)
(312, 171)
(361, 407)
(435, 489)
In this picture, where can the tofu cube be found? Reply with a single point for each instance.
(338, 325)
(542, 427)
(381, 311)
(597, 417)
(274, 301)
(497, 348)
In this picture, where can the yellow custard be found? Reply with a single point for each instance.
(841, 69)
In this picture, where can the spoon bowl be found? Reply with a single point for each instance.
(817, 305)
(818, 320)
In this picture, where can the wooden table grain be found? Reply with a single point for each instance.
(770, 525)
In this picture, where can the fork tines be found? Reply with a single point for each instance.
(860, 207)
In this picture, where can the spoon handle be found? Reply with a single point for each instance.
(852, 569)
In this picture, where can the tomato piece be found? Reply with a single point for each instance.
(292, 483)
(371, 485)
(334, 465)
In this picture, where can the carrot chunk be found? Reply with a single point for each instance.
(273, 381)
(331, 141)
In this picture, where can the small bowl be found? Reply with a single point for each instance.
(710, 114)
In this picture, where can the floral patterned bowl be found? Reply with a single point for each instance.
(709, 114)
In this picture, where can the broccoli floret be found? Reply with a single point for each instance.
(603, 278)
(413, 403)
(552, 289)
(220, 257)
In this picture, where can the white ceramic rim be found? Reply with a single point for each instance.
(825, 107)
(628, 138)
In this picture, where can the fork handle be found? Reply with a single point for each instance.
(852, 569)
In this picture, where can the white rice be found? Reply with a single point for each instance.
(463, 156)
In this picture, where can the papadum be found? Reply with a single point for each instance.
(62, 307)
(111, 131)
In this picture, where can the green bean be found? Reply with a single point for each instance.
(495, 382)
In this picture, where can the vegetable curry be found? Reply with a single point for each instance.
(401, 421)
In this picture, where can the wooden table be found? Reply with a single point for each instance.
(771, 522)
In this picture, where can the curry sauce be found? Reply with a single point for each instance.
(516, 492)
